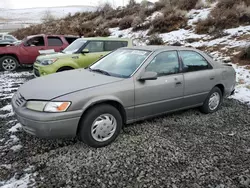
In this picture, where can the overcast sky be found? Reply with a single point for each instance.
(18, 4)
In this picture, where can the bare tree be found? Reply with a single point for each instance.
(48, 16)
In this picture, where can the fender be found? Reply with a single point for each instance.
(101, 99)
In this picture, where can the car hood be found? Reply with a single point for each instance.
(62, 83)
(56, 55)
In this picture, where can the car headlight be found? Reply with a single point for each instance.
(48, 61)
(43, 106)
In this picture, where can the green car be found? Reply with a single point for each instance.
(80, 54)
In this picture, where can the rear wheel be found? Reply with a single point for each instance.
(213, 101)
(100, 126)
(8, 63)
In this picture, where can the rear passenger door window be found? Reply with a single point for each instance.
(95, 46)
(165, 63)
(113, 45)
(193, 61)
(54, 41)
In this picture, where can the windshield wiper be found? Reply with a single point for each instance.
(100, 71)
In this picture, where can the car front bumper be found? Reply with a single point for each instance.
(42, 70)
(47, 125)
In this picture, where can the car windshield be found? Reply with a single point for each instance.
(75, 46)
(120, 63)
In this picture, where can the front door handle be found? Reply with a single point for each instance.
(178, 83)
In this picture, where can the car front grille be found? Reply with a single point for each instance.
(19, 99)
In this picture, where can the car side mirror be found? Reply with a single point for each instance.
(85, 51)
(148, 76)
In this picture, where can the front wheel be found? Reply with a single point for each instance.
(100, 126)
(213, 101)
(8, 63)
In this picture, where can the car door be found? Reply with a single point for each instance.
(199, 77)
(55, 43)
(154, 97)
(95, 51)
(30, 49)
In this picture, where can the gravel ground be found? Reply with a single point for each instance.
(184, 149)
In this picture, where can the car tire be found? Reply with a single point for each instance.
(64, 69)
(100, 126)
(213, 101)
(8, 63)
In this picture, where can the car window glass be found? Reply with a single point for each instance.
(35, 41)
(54, 41)
(122, 62)
(95, 46)
(193, 61)
(70, 39)
(113, 45)
(9, 37)
(165, 63)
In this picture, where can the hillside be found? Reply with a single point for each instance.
(20, 18)
(219, 27)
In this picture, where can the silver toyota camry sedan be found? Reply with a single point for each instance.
(128, 85)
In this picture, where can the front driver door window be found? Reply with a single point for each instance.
(31, 49)
(164, 94)
(96, 51)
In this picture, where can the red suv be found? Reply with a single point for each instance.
(26, 52)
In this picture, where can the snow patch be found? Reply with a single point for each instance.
(195, 15)
(14, 183)
(14, 138)
(15, 128)
(242, 89)
(6, 108)
(16, 147)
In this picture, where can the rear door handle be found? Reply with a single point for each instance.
(178, 83)
(211, 78)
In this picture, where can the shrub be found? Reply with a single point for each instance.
(112, 23)
(172, 19)
(227, 14)
(136, 22)
(155, 40)
(245, 54)
(186, 4)
(126, 22)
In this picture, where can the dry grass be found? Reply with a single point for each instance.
(126, 22)
(172, 19)
(227, 14)
(155, 40)
(242, 58)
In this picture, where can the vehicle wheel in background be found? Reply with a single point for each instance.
(8, 63)
(213, 101)
(64, 69)
(100, 126)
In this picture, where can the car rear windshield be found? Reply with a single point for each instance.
(75, 46)
(122, 62)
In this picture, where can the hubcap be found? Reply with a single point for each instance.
(214, 101)
(9, 64)
(104, 127)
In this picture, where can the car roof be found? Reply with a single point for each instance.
(106, 38)
(154, 48)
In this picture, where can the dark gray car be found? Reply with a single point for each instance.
(128, 85)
